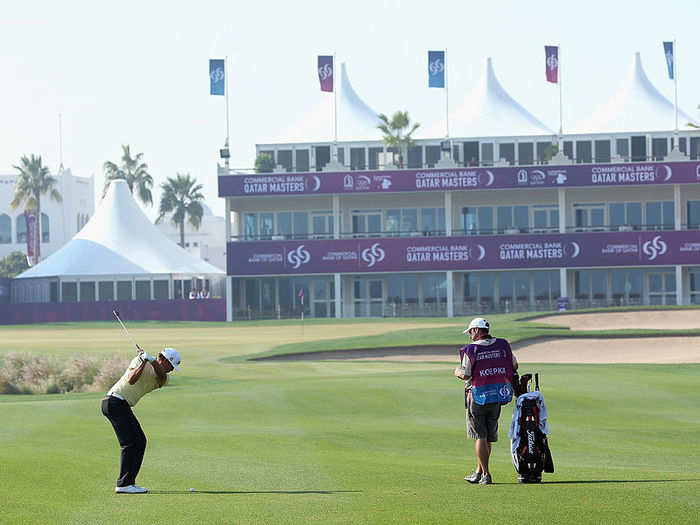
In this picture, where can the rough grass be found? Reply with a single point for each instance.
(354, 442)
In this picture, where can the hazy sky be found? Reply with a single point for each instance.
(137, 72)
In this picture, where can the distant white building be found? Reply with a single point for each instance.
(60, 221)
(207, 243)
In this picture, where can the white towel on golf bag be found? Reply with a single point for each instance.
(514, 432)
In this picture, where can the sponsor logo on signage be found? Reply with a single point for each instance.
(217, 75)
(373, 255)
(313, 183)
(436, 67)
(572, 249)
(325, 71)
(663, 173)
(697, 171)
(504, 391)
(426, 180)
(552, 62)
(522, 176)
(561, 178)
(518, 251)
(348, 182)
(362, 183)
(655, 247)
(298, 257)
(477, 252)
(386, 183)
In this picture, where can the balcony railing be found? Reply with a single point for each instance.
(459, 232)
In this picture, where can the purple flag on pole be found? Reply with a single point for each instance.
(552, 63)
(325, 72)
(668, 53)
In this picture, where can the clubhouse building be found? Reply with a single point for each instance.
(493, 219)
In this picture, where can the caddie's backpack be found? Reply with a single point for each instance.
(532, 455)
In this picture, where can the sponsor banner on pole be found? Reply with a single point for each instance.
(325, 72)
(526, 251)
(455, 179)
(668, 53)
(436, 69)
(551, 61)
(217, 77)
(30, 221)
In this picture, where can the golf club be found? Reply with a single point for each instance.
(116, 314)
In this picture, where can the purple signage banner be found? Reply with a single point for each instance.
(388, 181)
(161, 310)
(475, 252)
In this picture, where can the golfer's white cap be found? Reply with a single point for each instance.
(173, 356)
(477, 322)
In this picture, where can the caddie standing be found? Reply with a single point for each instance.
(145, 373)
(487, 366)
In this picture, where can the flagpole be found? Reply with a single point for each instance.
(675, 88)
(335, 114)
(561, 118)
(226, 160)
(447, 101)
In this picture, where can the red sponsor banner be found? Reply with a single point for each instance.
(30, 221)
(552, 63)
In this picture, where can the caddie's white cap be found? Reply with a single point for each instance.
(173, 356)
(477, 322)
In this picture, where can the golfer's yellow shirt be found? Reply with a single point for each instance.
(132, 393)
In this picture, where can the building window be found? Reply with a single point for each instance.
(322, 224)
(693, 215)
(545, 218)
(623, 148)
(602, 151)
(366, 223)
(45, 237)
(477, 220)
(512, 219)
(584, 152)
(21, 229)
(526, 154)
(589, 217)
(507, 153)
(5, 229)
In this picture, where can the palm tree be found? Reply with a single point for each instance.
(134, 171)
(34, 181)
(395, 135)
(183, 196)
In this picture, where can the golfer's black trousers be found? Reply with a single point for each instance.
(130, 436)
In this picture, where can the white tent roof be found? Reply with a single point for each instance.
(636, 106)
(488, 111)
(356, 120)
(119, 239)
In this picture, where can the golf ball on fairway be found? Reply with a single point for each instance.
(191, 489)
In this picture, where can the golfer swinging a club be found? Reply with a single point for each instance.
(145, 373)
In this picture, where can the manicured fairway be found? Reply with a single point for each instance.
(341, 442)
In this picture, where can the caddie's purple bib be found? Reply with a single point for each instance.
(492, 372)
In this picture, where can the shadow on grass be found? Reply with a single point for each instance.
(254, 491)
(587, 481)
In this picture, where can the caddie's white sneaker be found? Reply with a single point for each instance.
(131, 489)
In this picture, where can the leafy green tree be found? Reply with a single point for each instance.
(182, 196)
(134, 171)
(264, 163)
(397, 132)
(33, 181)
(14, 264)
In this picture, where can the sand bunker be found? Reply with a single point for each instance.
(650, 319)
(564, 350)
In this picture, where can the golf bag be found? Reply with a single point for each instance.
(528, 433)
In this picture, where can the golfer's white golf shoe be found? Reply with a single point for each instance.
(131, 489)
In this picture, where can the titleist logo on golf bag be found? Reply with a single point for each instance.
(531, 442)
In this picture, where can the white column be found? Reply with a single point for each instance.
(151, 286)
(563, 292)
(60, 290)
(77, 291)
(450, 294)
(229, 299)
(448, 213)
(677, 210)
(337, 284)
(171, 287)
(336, 216)
(561, 196)
(679, 284)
